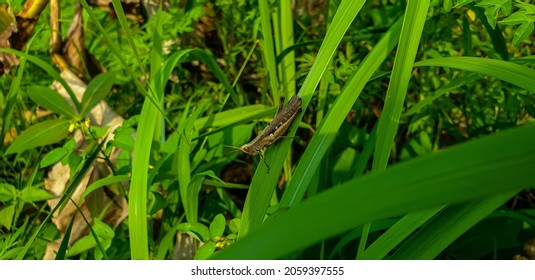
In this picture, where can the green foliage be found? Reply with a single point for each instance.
(41, 134)
(524, 16)
(416, 131)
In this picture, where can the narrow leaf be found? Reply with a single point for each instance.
(97, 90)
(51, 100)
(41, 134)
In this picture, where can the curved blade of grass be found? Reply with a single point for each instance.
(137, 210)
(327, 131)
(462, 173)
(451, 224)
(113, 179)
(151, 114)
(263, 184)
(62, 250)
(510, 72)
(379, 225)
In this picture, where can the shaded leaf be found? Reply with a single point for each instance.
(51, 100)
(53, 156)
(97, 90)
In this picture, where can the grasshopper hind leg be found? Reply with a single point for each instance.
(264, 160)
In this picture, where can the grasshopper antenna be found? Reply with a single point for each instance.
(236, 149)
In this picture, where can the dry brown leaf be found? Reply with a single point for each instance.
(8, 26)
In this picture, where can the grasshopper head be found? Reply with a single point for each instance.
(250, 149)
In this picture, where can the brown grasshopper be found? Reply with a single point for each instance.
(276, 129)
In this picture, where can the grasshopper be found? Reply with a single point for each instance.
(276, 129)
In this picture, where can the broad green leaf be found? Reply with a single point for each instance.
(123, 138)
(6, 216)
(97, 90)
(51, 100)
(523, 32)
(217, 227)
(197, 230)
(41, 134)
(34, 194)
(517, 18)
(234, 225)
(53, 156)
(205, 251)
(7, 192)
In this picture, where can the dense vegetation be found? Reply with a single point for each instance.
(415, 138)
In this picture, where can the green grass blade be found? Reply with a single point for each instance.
(268, 49)
(411, 32)
(137, 210)
(118, 8)
(510, 72)
(326, 133)
(263, 184)
(397, 233)
(462, 173)
(451, 224)
(287, 40)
